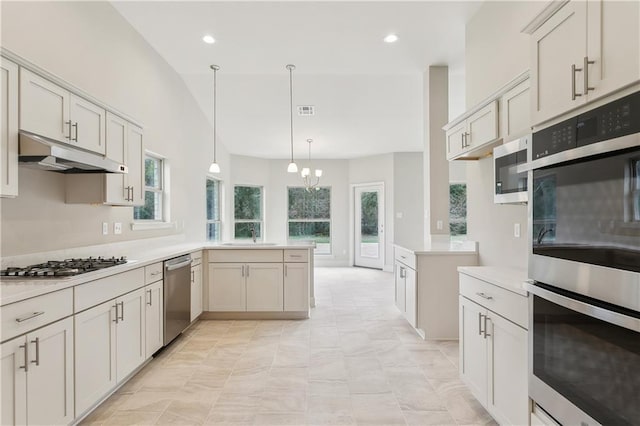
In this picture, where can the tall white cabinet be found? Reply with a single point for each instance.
(586, 50)
(493, 341)
(8, 129)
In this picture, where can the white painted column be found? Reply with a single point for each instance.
(436, 166)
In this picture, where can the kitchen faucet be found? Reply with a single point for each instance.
(253, 233)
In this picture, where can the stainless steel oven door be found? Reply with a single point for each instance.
(584, 358)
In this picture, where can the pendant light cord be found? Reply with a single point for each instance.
(215, 69)
(291, 68)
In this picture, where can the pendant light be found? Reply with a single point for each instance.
(309, 184)
(293, 167)
(214, 168)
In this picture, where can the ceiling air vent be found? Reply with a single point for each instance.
(306, 110)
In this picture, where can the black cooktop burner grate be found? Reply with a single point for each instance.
(63, 268)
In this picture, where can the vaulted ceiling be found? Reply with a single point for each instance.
(367, 93)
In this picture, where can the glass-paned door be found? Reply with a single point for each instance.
(369, 226)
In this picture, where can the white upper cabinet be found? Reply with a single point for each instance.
(514, 108)
(50, 110)
(586, 50)
(44, 107)
(88, 128)
(116, 184)
(475, 136)
(9, 129)
(135, 163)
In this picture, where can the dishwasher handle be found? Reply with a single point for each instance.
(178, 262)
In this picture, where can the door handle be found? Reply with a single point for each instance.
(68, 123)
(484, 296)
(247, 270)
(243, 270)
(25, 367)
(116, 319)
(585, 66)
(76, 127)
(30, 316)
(150, 302)
(486, 318)
(480, 315)
(37, 343)
(573, 82)
(193, 277)
(121, 311)
(462, 141)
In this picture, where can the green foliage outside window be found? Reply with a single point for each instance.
(457, 209)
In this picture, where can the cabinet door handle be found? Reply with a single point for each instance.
(480, 323)
(153, 274)
(462, 141)
(484, 296)
(585, 66)
(68, 123)
(486, 318)
(247, 270)
(116, 319)
(30, 316)
(243, 270)
(285, 270)
(403, 272)
(37, 343)
(193, 277)
(573, 82)
(121, 311)
(150, 302)
(76, 127)
(25, 367)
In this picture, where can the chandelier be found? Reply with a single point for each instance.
(309, 181)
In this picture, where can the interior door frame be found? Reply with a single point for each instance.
(352, 218)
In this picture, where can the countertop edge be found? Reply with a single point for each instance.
(35, 288)
(508, 278)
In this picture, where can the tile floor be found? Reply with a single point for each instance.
(356, 361)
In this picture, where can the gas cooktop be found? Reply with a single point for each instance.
(62, 268)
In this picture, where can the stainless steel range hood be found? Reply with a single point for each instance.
(41, 152)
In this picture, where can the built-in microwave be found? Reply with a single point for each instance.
(510, 184)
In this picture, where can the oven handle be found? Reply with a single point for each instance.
(591, 310)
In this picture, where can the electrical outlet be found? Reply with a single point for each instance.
(117, 228)
(105, 228)
(439, 225)
(516, 230)
(399, 215)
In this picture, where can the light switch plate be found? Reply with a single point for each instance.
(117, 228)
(439, 225)
(399, 215)
(105, 228)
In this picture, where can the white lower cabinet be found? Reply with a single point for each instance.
(196, 291)
(227, 291)
(110, 344)
(37, 376)
(296, 286)
(493, 350)
(406, 292)
(264, 287)
(154, 330)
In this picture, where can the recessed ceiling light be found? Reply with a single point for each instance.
(391, 38)
(208, 39)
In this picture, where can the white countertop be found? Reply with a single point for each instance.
(511, 279)
(15, 289)
(444, 247)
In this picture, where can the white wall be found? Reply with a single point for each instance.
(408, 230)
(92, 47)
(495, 53)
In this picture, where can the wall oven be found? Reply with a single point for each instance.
(584, 265)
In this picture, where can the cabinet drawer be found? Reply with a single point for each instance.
(21, 317)
(296, 255)
(252, 255)
(196, 258)
(98, 291)
(508, 304)
(153, 273)
(406, 257)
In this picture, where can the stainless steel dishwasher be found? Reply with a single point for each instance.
(177, 296)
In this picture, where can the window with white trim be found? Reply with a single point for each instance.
(213, 209)
(247, 211)
(153, 208)
(309, 216)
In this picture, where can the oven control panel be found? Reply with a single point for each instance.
(615, 119)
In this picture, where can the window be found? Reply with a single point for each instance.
(153, 190)
(458, 210)
(247, 208)
(310, 217)
(213, 209)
